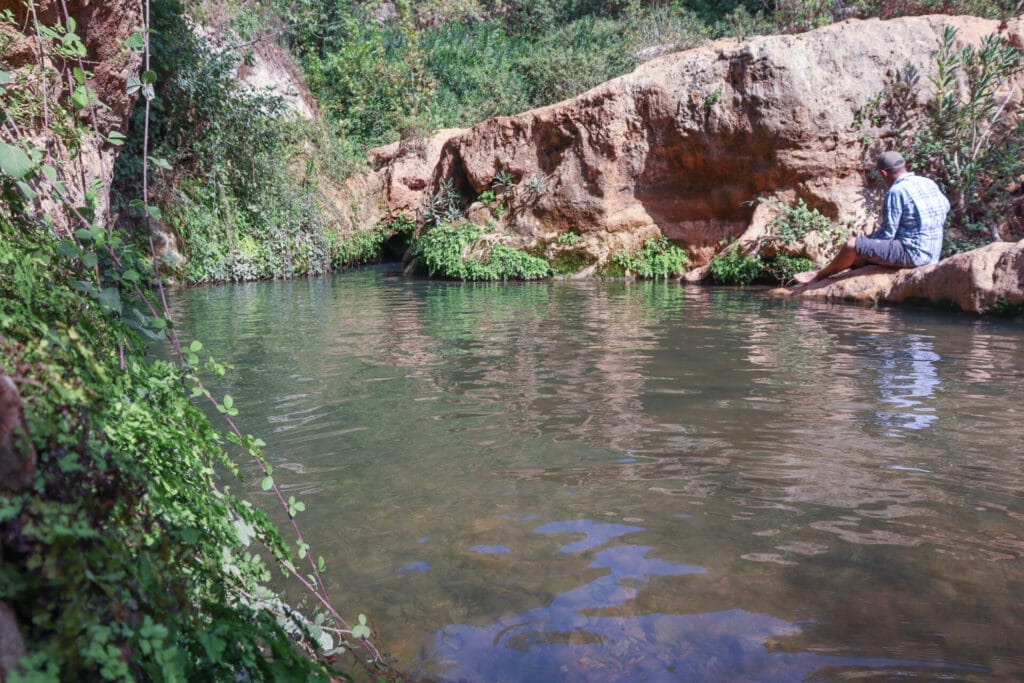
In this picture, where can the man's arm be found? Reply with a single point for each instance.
(892, 212)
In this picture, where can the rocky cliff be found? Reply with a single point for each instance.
(685, 145)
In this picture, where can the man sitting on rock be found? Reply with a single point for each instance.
(912, 220)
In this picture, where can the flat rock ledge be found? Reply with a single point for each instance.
(985, 280)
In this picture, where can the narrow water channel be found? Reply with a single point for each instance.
(608, 481)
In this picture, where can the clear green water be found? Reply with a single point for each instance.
(607, 481)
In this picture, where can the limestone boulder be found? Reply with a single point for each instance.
(983, 280)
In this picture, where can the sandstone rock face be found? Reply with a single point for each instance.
(101, 26)
(272, 70)
(688, 142)
(979, 281)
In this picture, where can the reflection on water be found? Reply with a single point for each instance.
(906, 379)
(622, 482)
(579, 636)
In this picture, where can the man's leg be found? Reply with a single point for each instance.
(846, 258)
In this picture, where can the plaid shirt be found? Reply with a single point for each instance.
(915, 213)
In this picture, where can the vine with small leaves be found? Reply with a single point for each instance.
(107, 268)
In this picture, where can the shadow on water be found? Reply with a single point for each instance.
(607, 481)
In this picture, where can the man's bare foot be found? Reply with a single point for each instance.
(806, 277)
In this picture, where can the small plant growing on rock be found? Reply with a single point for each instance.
(795, 222)
(536, 187)
(568, 239)
(443, 206)
(503, 182)
(712, 99)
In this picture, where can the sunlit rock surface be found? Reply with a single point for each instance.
(990, 279)
(687, 143)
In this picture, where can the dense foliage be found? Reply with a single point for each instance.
(240, 183)
(443, 251)
(381, 71)
(769, 260)
(125, 555)
(656, 259)
(126, 559)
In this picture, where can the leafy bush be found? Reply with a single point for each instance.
(444, 206)
(657, 258)
(573, 59)
(730, 267)
(966, 144)
(515, 264)
(953, 245)
(1004, 308)
(794, 223)
(567, 262)
(240, 210)
(125, 560)
(782, 268)
(441, 251)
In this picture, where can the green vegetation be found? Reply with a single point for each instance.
(442, 251)
(238, 177)
(1004, 308)
(657, 258)
(730, 267)
(782, 268)
(961, 137)
(126, 556)
(380, 75)
(966, 145)
(793, 223)
(244, 198)
(769, 265)
(568, 239)
(568, 262)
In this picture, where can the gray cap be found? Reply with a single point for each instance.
(889, 161)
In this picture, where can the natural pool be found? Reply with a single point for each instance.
(609, 481)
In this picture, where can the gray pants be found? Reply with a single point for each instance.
(884, 252)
